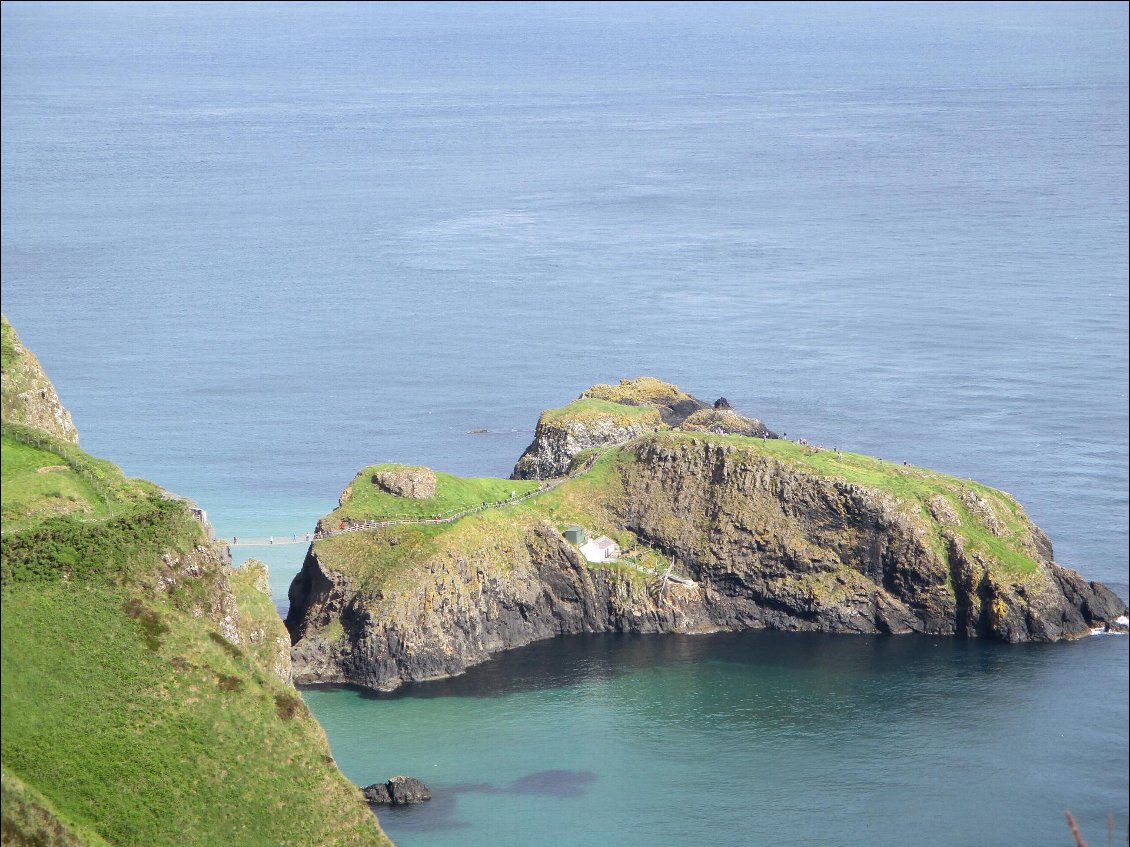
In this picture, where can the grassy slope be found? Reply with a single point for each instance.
(453, 494)
(45, 477)
(124, 714)
(591, 501)
(590, 408)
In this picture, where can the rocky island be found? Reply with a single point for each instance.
(718, 524)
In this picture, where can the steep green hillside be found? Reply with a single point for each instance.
(145, 685)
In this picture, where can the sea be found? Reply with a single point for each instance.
(258, 246)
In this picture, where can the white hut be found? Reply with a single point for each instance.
(602, 549)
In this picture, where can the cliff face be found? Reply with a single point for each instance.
(783, 547)
(755, 533)
(562, 434)
(27, 395)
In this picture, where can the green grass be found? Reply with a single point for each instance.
(45, 477)
(590, 408)
(132, 724)
(30, 818)
(368, 501)
(127, 716)
(38, 483)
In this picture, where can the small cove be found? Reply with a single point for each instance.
(746, 738)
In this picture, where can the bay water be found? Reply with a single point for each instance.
(259, 246)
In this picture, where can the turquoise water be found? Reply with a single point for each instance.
(752, 738)
(260, 246)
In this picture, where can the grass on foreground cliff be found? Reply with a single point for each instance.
(135, 726)
(910, 484)
(37, 484)
(44, 477)
(367, 501)
(30, 818)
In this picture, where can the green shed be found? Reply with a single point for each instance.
(575, 535)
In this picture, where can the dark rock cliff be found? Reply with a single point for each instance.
(758, 543)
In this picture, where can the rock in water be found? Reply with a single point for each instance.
(752, 532)
(398, 791)
(377, 794)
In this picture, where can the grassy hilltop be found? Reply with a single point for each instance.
(145, 685)
(988, 521)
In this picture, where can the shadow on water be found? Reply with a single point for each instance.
(584, 659)
(438, 814)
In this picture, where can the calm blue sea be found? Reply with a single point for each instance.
(258, 246)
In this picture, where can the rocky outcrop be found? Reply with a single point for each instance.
(781, 547)
(27, 395)
(416, 483)
(606, 415)
(722, 420)
(759, 542)
(673, 405)
(398, 791)
(560, 437)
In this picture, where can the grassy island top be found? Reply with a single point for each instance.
(989, 522)
(591, 408)
(643, 390)
(364, 500)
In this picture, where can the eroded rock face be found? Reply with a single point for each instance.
(417, 483)
(27, 394)
(558, 441)
(722, 420)
(764, 543)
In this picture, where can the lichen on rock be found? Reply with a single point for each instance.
(416, 483)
